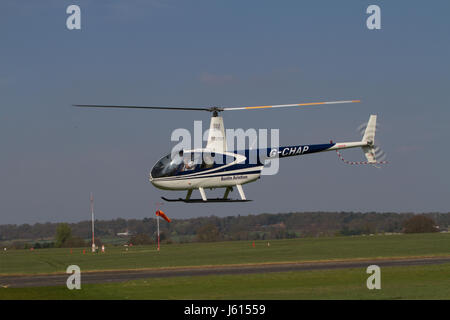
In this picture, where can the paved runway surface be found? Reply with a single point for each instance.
(126, 275)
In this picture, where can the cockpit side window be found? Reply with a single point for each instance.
(179, 163)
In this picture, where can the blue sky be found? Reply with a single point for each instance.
(224, 53)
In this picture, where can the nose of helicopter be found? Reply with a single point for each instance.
(154, 182)
(154, 174)
(163, 185)
(152, 179)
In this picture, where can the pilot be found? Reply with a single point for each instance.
(188, 164)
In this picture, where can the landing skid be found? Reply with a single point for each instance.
(202, 201)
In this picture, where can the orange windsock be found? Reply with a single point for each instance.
(162, 215)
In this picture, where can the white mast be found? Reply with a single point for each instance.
(92, 214)
(216, 137)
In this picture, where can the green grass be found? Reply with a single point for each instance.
(415, 282)
(218, 253)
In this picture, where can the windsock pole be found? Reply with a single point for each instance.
(158, 204)
(157, 219)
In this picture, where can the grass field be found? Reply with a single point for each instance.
(417, 282)
(414, 282)
(220, 253)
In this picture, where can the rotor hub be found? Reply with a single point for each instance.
(215, 111)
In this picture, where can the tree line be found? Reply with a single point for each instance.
(213, 228)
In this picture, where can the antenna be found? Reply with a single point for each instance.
(92, 214)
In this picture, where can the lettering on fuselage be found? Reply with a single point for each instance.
(228, 178)
(289, 151)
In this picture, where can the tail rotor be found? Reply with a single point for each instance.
(373, 153)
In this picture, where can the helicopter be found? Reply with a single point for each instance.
(216, 167)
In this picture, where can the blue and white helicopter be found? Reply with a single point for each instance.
(216, 167)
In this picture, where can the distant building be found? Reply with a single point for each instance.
(124, 234)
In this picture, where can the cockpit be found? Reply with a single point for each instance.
(185, 162)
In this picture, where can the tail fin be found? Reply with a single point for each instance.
(369, 134)
(369, 138)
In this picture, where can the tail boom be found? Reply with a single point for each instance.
(367, 145)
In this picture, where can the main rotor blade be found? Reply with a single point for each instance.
(290, 105)
(139, 107)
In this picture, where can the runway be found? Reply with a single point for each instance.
(127, 275)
